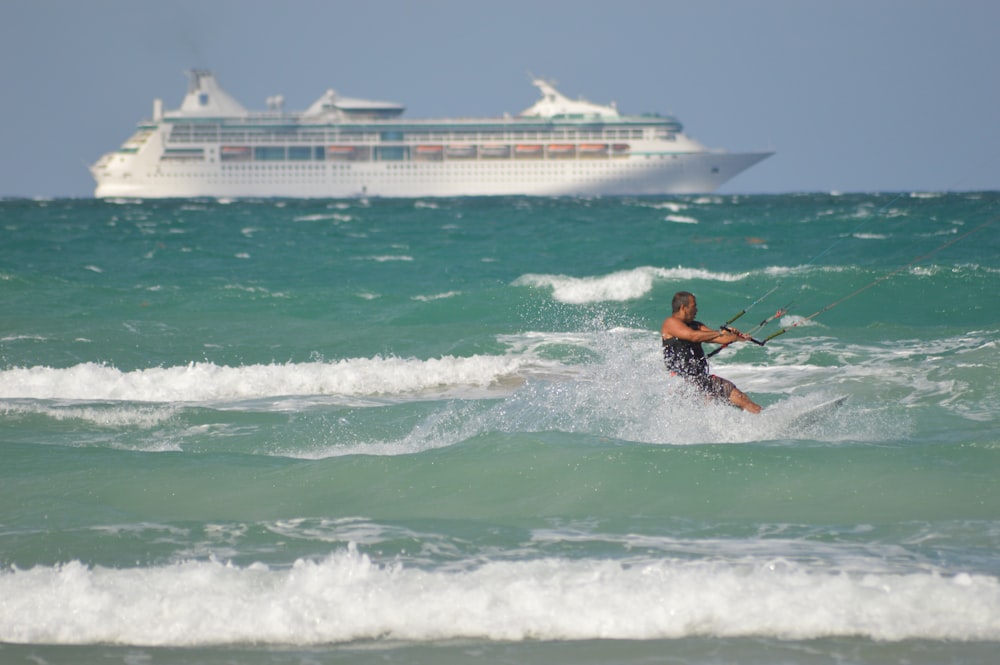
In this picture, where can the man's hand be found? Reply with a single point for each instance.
(739, 335)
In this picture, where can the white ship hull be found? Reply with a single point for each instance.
(669, 174)
(354, 149)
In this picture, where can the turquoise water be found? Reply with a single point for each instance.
(440, 431)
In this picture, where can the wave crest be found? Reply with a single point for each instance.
(207, 382)
(348, 597)
(618, 286)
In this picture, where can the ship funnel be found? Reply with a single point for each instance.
(206, 98)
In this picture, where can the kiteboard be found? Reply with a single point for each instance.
(822, 410)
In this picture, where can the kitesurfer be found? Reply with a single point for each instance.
(684, 357)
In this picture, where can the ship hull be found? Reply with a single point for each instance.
(635, 175)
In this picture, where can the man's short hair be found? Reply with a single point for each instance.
(681, 299)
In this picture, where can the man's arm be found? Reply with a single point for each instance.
(696, 332)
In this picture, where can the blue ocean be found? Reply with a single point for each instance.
(441, 431)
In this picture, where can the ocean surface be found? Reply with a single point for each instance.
(440, 431)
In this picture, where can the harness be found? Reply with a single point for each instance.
(684, 357)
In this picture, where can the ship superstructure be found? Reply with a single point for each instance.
(345, 147)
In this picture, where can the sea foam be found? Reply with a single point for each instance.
(347, 597)
(206, 382)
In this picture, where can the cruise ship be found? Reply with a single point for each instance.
(345, 147)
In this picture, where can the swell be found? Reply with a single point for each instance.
(524, 477)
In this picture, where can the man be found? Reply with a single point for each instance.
(683, 355)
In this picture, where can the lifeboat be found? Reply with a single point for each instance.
(494, 151)
(562, 150)
(433, 153)
(460, 151)
(593, 149)
(528, 150)
(235, 153)
(340, 152)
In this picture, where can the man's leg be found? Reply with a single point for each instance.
(742, 400)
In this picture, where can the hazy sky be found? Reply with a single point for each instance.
(854, 95)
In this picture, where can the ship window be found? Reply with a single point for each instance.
(300, 153)
(391, 153)
(203, 99)
(268, 153)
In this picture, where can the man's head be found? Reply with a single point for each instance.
(685, 303)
